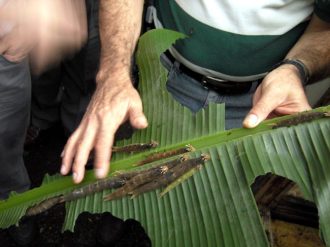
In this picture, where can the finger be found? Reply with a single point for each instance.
(103, 145)
(259, 112)
(82, 152)
(137, 118)
(77, 176)
(69, 151)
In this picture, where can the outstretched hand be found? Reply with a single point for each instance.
(280, 93)
(111, 105)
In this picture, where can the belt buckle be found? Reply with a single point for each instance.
(216, 79)
(225, 86)
(215, 82)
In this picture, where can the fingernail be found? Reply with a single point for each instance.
(75, 176)
(63, 169)
(142, 121)
(251, 120)
(62, 154)
(100, 173)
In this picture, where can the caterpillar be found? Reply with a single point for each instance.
(182, 173)
(301, 118)
(44, 205)
(112, 183)
(99, 185)
(174, 176)
(163, 155)
(144, 177)
(131, 148)
(137, 147)
(136, 181)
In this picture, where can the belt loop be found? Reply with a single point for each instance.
(149, 15)
(176, 64)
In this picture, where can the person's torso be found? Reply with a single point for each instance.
(237, 39)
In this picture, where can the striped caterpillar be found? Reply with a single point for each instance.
(144, 177)
(174, 174)
(163, 155)
(112, 183)
(131, 148)
(301, 118)
(173, 177)
(136, 147)
(44, 206)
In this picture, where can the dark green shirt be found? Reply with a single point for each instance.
(219, 46)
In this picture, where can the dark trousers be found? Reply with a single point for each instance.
(15, 95)
(65, 90)
(193, 95)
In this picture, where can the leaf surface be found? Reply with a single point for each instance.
(215, 207)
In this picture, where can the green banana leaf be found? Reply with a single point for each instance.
(215, 207)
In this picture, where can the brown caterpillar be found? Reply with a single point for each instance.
(131, 148)
(164, 155)
(172, 175)
(190, 169)
(301, 118)
(76, 194)
(144, 177)
(109, 183)
(169, 164)
(136, 181)
(44, 205)
(137, 147)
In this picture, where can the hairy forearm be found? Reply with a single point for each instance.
(313, 49)
(120, 25)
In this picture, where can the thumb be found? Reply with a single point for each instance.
(259, 112)
(137, 118)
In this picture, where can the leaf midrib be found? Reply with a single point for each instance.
(65, 184)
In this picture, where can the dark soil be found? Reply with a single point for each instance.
(43, 157)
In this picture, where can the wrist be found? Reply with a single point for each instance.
(299, 67)
(119, 76)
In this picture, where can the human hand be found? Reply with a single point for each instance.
(110, 106)
(280, 93)
(45, 29)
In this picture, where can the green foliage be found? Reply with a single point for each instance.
(215, 207)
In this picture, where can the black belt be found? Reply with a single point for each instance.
(219, 85)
